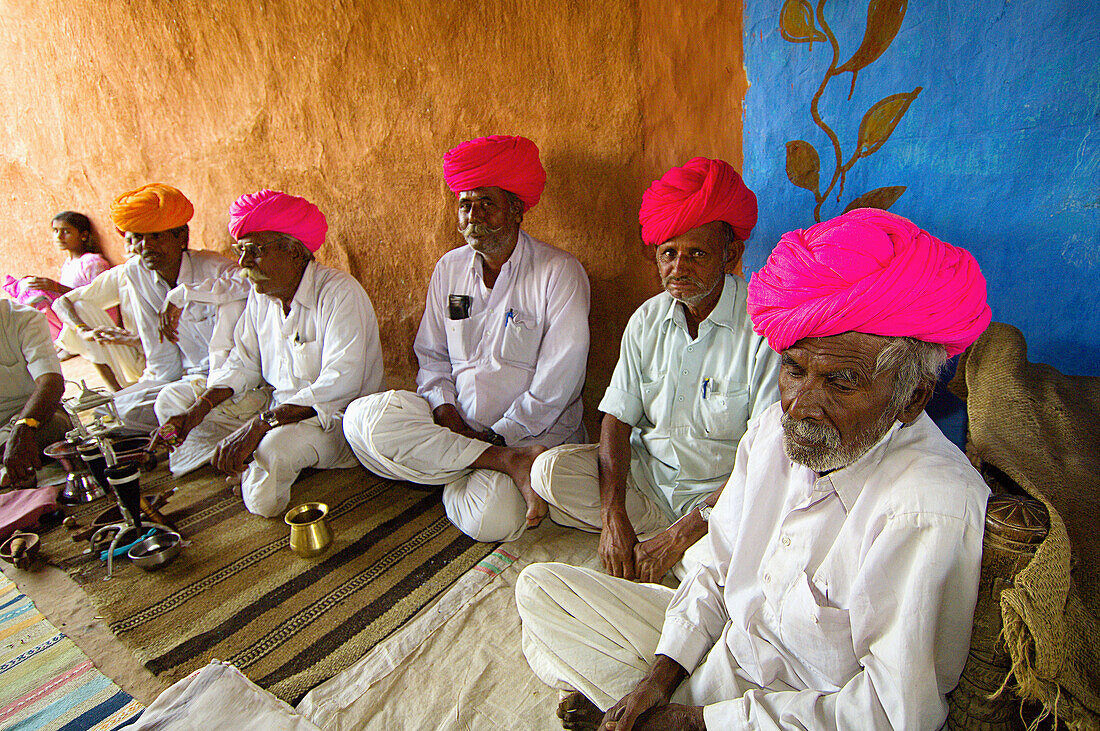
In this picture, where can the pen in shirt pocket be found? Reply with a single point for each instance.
(706, 385)
(509, 315)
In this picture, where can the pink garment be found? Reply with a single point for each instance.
(502, 161)
(74, 273)
(270, 210)
(698, 193)
(20, 509)
(873, 272)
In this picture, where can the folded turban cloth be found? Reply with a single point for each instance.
(502, 161)
(693, 195)
(872, 272)
(151, 208)
(270, 210)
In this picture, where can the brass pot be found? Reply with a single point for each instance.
(309, 533)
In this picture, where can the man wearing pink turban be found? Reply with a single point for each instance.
(307, 344)
(502, 347)
(844, 552)
(690, 375)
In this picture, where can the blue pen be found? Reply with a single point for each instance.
(706, 382)
(509, 315)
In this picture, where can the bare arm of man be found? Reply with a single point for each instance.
(64, 309)
(21, 458)
(447, 415)
(617, 537)
(647, 706)
(655, 557)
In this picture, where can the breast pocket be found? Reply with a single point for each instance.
(723, 414)
(459, 345)
(818, 634)
(521, 339)
(305, 360)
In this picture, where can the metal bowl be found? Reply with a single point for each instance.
(155, 551)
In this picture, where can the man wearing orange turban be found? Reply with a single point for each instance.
(153, 219)
(843, 556)
(502, 346)
(691, 373)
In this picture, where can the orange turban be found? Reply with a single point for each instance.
(502, 161)
(151, 208)
(698, 193)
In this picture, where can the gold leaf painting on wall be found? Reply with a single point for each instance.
(799, 22)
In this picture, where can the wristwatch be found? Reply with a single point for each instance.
(496, 439)
(29, 421)
(269, 418)
(705, 511)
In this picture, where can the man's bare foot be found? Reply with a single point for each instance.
(522, 459)
(577, 712)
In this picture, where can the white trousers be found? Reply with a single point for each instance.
(393, 435)
(568, 479)
(136, 406)
(278, 460)
(593, 633)
(126, 361)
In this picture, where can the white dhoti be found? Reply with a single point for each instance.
(393, 435)
(593, 633)
(568, 479)
(136, 406)
(126, 361)
(278, 460)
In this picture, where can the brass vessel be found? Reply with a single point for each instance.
(309, 533)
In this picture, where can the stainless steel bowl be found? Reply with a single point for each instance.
(155, 551)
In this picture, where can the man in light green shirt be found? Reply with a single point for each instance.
(691, 373)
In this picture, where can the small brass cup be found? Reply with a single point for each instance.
(309, 533)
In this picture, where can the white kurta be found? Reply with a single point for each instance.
(516, 364)
(26, 352)
(836, 601)
(165, 361)
(91, 302)
(323, 354)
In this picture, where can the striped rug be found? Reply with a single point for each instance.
(236, 592)
(46, 682)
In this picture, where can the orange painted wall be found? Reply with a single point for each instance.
(352, 104)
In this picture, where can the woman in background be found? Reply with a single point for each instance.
(72, 232)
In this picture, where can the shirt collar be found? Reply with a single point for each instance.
(306, 294)
(848, 482)
(727, 312)
(517, 262)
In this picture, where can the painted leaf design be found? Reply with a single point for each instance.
(878, 198)
(880, 120)
(803, 164)
(796, 22)
(883, 22)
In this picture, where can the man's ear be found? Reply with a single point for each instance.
(735, 249)
(920, 397)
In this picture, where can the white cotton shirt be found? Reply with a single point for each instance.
(26, 352)
(847, 598)
(517, 363)
(684, 439)
(110, 289)
(166, 361)
(323, 354)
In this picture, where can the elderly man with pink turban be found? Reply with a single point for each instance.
(691, 373)
(307, 340)
(153, 219)
(845, 549)
(502, 347)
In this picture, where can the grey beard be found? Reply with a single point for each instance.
(826, 452)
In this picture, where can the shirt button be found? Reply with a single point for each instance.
(684, 372)
(680, 398)
(691, 348)
(786, 540)
(767, 578)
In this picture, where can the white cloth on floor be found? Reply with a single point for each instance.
(517, 363)
(219, 696)
(393, 435)
(844, 600)
(91, 302)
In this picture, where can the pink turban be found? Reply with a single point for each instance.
(502, 161)
(695, 194)
(872, 272)
(270, 210)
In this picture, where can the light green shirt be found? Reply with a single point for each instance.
(689, 401)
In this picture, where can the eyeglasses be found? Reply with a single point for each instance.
(254, 251)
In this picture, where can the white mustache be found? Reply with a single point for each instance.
(478, 230)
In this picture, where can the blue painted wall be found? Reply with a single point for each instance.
(1000, 150)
